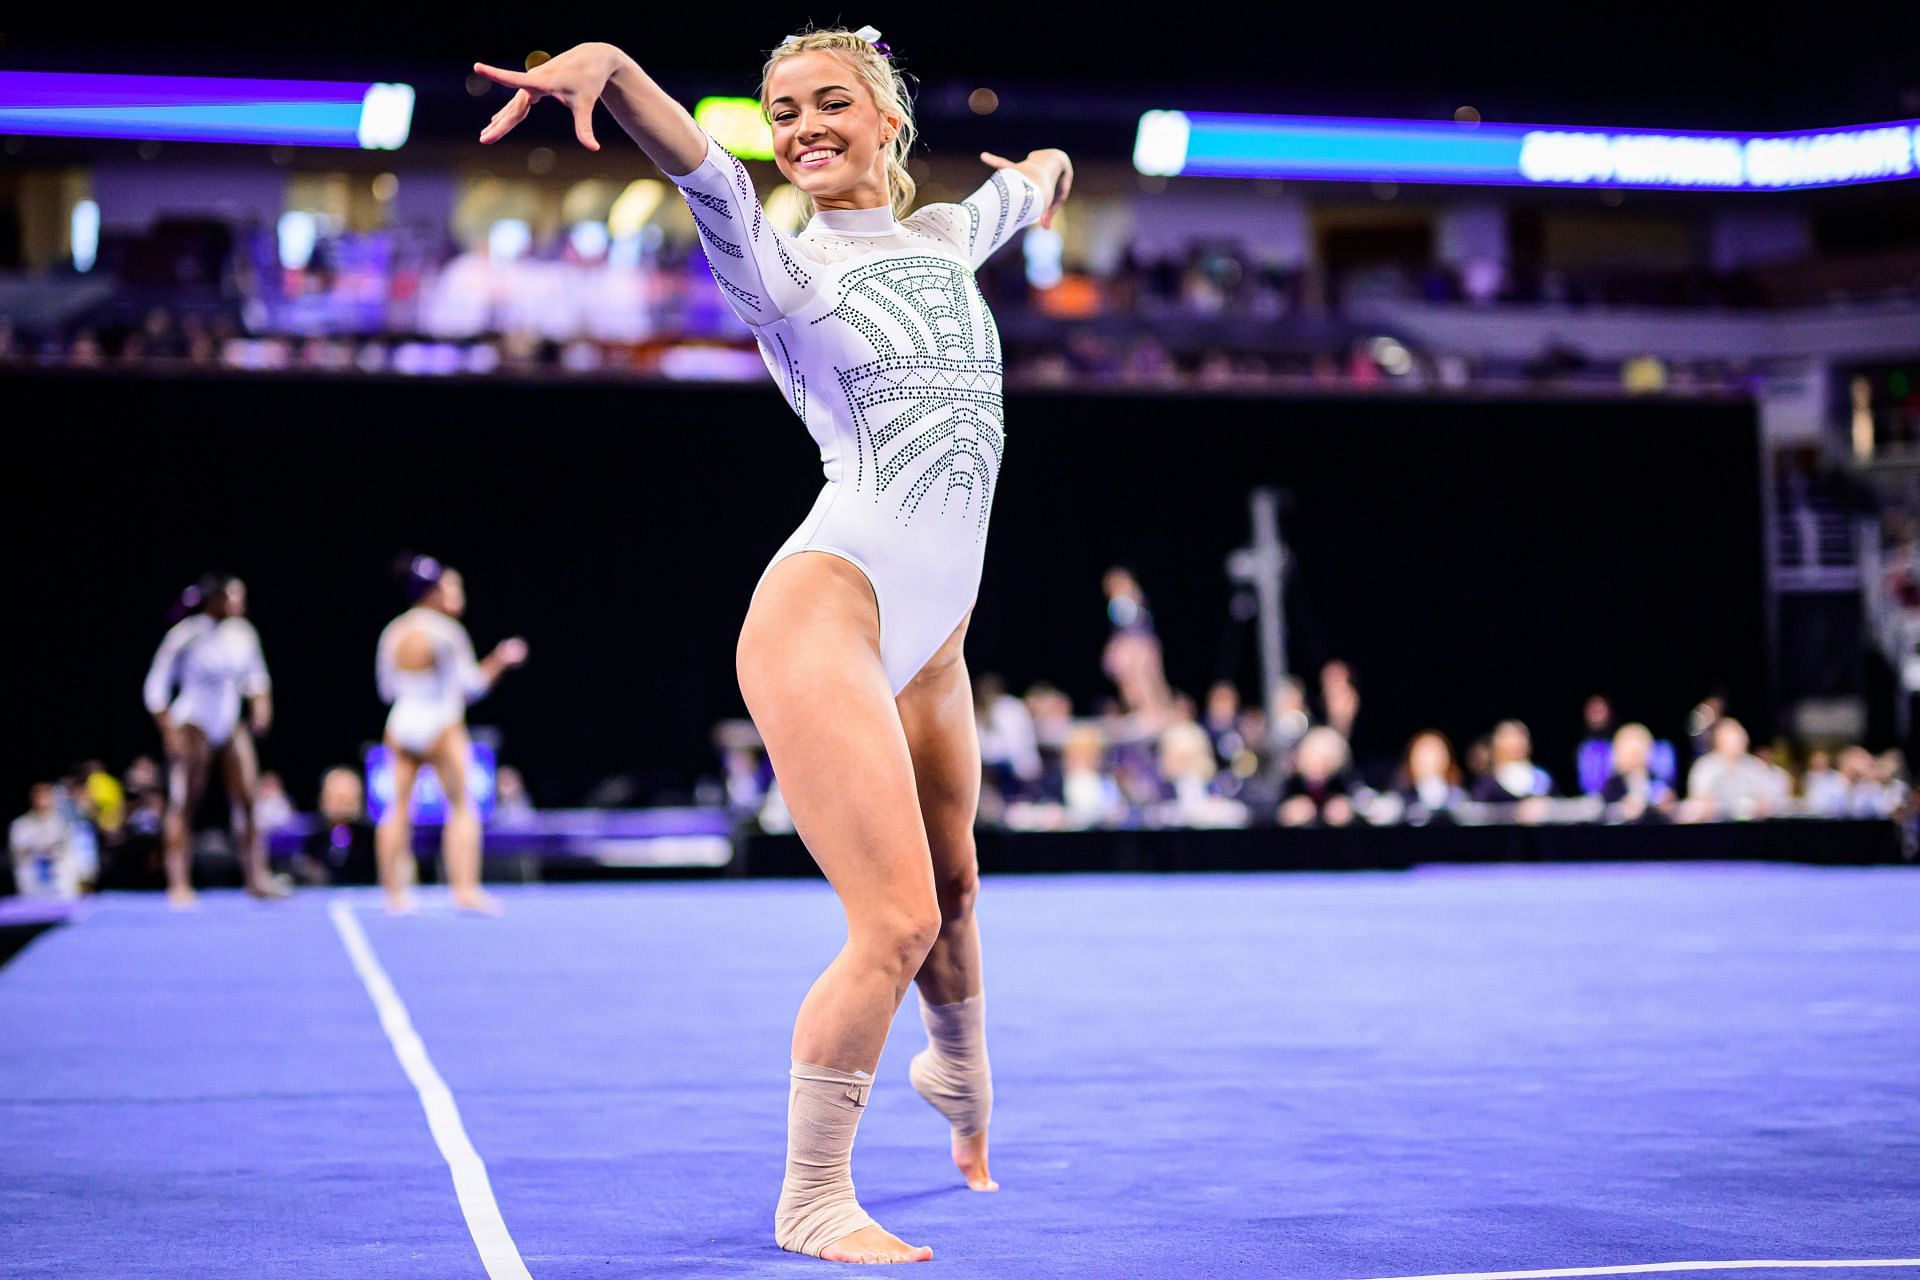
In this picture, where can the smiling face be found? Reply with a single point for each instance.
(829, 137)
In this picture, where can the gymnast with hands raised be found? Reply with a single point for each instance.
(850, 656)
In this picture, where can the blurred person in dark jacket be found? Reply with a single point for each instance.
(1322, 786)
(1633, 792)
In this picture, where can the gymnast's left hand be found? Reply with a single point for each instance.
(1050, 170)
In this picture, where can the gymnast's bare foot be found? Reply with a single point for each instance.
(875, 1244)
(477, 902)
(402, 904)
(970, 1155)
(183, 899)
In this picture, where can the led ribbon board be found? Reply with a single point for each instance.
(306, 113)
(1334, 148)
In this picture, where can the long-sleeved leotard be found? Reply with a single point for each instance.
(213, 662)
(877, 335)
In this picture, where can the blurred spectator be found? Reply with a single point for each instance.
(1728, 782)
(75, 803)
(1594, 761)
(107, 801)
(1291, 719)
(746, 780)
(1009, 745)
(1633, 792)
(1187, 763)
(1132, 658)
(40, 842)
(1700, 722)
(271, 807)
(1511, 774)
(1340, 698)
(1091, 796)
(511, 803)
(1823, 790)
(1321, 788)
(1864, 786)
(1222, 721)
(1428, 787)
(340, 848)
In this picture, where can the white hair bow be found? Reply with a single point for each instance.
(870, 34)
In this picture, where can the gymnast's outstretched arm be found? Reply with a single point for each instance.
(750, 263)
(591, 73)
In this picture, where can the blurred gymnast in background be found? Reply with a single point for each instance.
(212, 658)
(426, 671)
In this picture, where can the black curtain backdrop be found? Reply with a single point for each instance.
(1471, 559)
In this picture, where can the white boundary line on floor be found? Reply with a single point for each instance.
(1750, 1264)
(497, 1251)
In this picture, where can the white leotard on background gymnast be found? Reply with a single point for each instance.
(215, 662)
(877, 335)
(427, 702)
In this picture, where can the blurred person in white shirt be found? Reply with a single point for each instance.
(1090, 794)
(1823, 789)
(1187, 763)
(1009, 744)
(40, 843)
(1730, 782)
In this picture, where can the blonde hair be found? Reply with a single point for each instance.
(882, 79)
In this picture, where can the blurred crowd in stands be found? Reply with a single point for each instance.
(1211, 316)
(92, 829)
(1150, 756)
(1147, 756)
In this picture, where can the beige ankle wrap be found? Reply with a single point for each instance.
(952, 1071)
(817, 1205)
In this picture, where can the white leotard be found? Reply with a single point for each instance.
(877, 335)
(214, 663)
(425, 703)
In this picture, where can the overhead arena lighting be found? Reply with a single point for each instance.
(305, 113)
(1476, 153)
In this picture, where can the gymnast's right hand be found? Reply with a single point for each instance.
(575, 79)
(511, 652)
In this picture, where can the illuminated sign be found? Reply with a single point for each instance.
(737, 124)
(306, 113)
(1332, 148)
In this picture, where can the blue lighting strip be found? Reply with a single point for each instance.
(309, 113)
(1340, 149)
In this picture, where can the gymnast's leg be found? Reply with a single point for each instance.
(810, 670)
(952, 1073)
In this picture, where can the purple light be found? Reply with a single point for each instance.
(313, 113)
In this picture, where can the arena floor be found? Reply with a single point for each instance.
(1562, 1070)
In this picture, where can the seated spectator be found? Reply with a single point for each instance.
(1823, 789)
(1868, 787)
(1091, 796)
(1187, 763)
(271, 808)
(1428, 785)
(747, 778)
(41, 845)
(340, 849)
(1633, 792)
(1728, 782)
(108, 800)
(511, 804)
(1511, 774)
(1009, 745)
(1222, 720)
(1594, 761)
(1322, 786)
